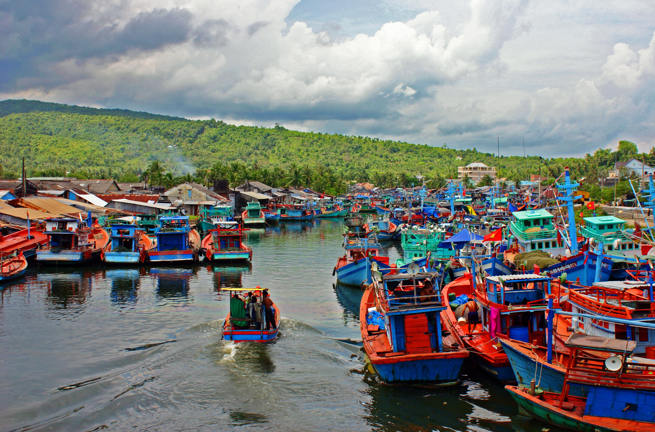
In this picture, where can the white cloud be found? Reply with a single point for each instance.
(514, 69)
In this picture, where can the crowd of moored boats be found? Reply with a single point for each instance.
(563, 315)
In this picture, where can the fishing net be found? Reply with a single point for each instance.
(529, 259)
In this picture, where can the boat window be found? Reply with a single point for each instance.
(528, 223)
(609, 248)
(540, 245)
(642, 334)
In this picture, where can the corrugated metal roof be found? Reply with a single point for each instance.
(518, 277)
(256, 195)
(143, 204)
(21, 213)
(91, 198)
(48, 205)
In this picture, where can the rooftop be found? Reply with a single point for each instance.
(604, 220)
(532, 214)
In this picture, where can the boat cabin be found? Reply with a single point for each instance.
(253, 210)
(64, 233)
(411, 313)
(357, 249)
(227, 239)
(417, 242)
(123, 237)
(534, 230)
(609, 230)
(173, 233)
(514, 306)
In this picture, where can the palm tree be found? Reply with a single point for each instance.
(486, 181)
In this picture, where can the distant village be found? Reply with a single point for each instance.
(39, 198)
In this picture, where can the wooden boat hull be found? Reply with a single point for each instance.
(543, 408)
(285, 218)
(124, 257)
(228, 256)
(358, 272)
(20, 242)
(576, 268)
(12, 268)
(254, 221)
(189, 255)
(549, 376)
(68, 256)
(441, 369)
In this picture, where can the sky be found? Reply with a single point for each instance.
(562, 77)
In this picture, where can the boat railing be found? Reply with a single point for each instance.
(592, 370)
(540, 234)
(605, 302)
(604, 237)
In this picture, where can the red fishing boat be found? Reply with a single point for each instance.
(25, 241)
(12, 266)
(403, 335)
(511, 307)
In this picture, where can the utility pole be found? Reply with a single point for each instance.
(499, 148)
(523, 148)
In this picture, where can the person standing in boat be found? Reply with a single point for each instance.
(471, 313)
(269, 310)
(256, 312)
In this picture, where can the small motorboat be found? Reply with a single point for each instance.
(12, 266)
(246, 321)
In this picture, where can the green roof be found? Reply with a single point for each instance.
(532, 214)
(603, 220)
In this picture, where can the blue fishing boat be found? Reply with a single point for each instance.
(620, 393)
(73, 241)
(129, 245)
(381, 228)
(248, 322)
(295, 213)
(402, 332)
(176, 241)
(354, 268)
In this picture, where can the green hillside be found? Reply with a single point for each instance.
(57, 139)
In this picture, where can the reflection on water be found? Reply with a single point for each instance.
(67, 292)
(124, 286)
(172, 282)
(228, 276)
(349, 298)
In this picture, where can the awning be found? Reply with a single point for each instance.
(460, 240)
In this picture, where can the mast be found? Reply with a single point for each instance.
(566, 192)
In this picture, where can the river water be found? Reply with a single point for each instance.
(95, 348)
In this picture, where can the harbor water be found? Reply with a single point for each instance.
(109, 348)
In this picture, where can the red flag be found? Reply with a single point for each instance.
(591, 205)
(581, 214)
(536, 269)
(494, 236)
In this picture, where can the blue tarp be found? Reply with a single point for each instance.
(460, 300)
(512, 207)
(459, 240)
(375, 318)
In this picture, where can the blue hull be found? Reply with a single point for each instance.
(66, 257)
(549, 379)
(4, 279)
(181, 256)
(356, 273)
(435, 370)
(122, 257)
(251, 336)
(576, 268)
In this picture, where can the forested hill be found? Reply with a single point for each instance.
(98, 143)
(10, 106)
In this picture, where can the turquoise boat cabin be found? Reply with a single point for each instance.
(534, 230)
(610, 231)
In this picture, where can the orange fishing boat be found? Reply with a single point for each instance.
(12, 266)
